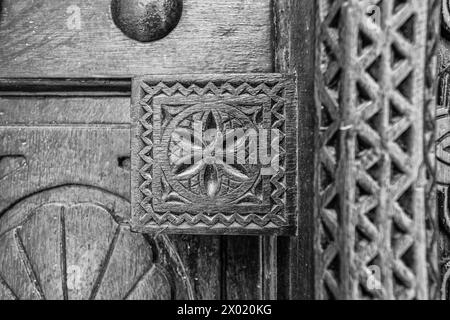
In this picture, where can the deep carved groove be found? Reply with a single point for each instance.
(63, 254)
(27, 264)
(105, 264)
(385, 145)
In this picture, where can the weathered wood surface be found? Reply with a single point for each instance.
(70, 243)
(295, 54)
(64, 177)
(443, 157)
(39, 111)
(40, 38)
(208, 39)
(374, 91)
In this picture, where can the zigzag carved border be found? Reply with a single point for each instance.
(279, 88)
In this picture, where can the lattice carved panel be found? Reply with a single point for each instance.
(375, 104)
(443, 180)
(197, 161)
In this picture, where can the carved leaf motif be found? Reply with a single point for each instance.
(236, 172)
(184, 172)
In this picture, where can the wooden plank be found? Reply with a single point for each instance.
(294, 47)
(241, 269)
(200, 256)
(39, 111)
(212, 36)
(65, 87)
(53, 156)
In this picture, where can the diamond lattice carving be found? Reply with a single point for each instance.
(374, 144)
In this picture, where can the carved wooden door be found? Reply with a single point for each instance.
(94, 206)
(65, 131)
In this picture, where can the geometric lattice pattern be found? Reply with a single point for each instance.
(371, 239)
(209, 194)
(443, 180)
(430, 141)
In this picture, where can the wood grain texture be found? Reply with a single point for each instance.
(201, 257)
(66, 159)
(212, 36)
(52, 253)
(294, 45)
(242, 277)
(47, 111)
(245, 40)
(60, 155)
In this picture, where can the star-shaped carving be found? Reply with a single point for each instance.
(205, 156)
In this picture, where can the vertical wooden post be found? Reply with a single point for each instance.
(374, 100)
(294, 54)
(443, 154)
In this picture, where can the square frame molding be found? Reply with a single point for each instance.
(179, 185)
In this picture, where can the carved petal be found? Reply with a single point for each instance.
(212, 183)
(191, 171)
(183, 136)
(236, 171)
(210, 122)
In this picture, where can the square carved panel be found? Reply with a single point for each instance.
(214, 154)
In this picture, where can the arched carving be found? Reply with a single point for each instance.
(73, 242)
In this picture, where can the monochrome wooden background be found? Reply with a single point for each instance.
(367, 224)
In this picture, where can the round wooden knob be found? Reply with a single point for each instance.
(146, 20)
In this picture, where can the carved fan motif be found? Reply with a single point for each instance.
(72, 243)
